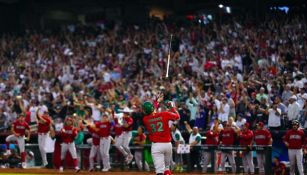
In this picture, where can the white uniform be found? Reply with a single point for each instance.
(104, 149)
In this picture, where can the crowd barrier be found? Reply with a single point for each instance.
(202, 148)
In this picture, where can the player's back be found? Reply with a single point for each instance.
(157, 126)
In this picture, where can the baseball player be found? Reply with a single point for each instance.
(43, 127)
(122, 141)
(178, 139)
(212, 139)
(262, 137)
(103, 129)
(138, 154)
(227, 138)
(246, 140)
(157, 125)
(294, 140)
(68, 134)
(19, 128)
(94, 141)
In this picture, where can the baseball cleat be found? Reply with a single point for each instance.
(23, 165)
(61, 169)
(167, 172)
(77, 170)
(129, 159)
(105, 169)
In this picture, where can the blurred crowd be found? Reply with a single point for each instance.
(234, 69)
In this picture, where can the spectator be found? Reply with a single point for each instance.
(223, 111)
(274, 122)
(194, 141)
(193, 107)
(293, 109)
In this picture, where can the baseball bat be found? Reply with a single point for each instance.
(169, 56)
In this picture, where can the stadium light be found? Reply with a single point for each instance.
(228, 9)
(221, 5)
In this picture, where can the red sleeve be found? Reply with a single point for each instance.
(171, 115)
(130, 121)
(75, 132)
(27, 126)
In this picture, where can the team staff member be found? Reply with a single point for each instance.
(262, 137)
(19, 129)
(212, 139)
(178, 139)
(227, 138)
(157, 125)
(43, 127)
(246, 140)
(294, 140)
(68, 134)
(194, 140)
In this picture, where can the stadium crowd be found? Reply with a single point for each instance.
(237, 70)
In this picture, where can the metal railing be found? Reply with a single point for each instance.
(202, 148)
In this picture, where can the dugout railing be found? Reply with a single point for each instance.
(202, 148)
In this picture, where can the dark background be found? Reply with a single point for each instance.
(18, 15)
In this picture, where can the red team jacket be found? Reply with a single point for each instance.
(262, 137)
(157, 125)
(295, 138)
(140, 137)
(95, 136)
(212, 138)
(20, 127)
(104, 128)
(246, 138)
(44, 127)
(68, 134)
(129, 121)
(118, 129)
(227, 137)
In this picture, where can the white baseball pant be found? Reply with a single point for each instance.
(261, 161)
(162, 155)
(230, 156)
(126, 140)
(207, 160)
(119, 141)
(93, 152)
(42, 138)
(296, 156)
(20, 141)
(104, 149)
(71, 148)
(138, 155)
(247, 160)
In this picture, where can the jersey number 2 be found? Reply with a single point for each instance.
(158, 127)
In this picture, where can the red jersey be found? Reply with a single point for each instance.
(20, 127)
(212, 138)
(140, 137)
(246, 137)
(295, 138)
(104, 128)
(118, 129)
(157, 125)
(262, 137)
(44, 127)
(95, 136)
(68, 134)
(227, 137)
(129, 122)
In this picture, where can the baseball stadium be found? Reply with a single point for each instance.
(153, 87)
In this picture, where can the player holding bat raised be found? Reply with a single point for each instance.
(157, 125)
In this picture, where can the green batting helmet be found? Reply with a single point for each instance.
(148, 107)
